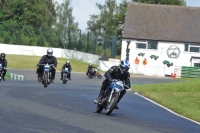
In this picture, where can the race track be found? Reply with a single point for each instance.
(27, 107)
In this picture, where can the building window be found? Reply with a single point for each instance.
(141, 45)
(194, 48)
(147, 44)
(152, 44)
(196, 64)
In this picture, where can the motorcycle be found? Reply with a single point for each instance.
(95, 73)
(110, 97)
(1, 72)
(46, 78)
(65, 78)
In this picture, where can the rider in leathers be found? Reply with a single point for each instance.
(50, 59)
(90, 69)
(66, 65)
(116, 72)
(3, 61)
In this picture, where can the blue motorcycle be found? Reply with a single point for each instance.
(110, 97)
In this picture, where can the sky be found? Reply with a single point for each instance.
(82, 9)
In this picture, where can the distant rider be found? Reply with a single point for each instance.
(116, 72)
(3, 62)
(50, 59)
(66, 65)
(90, 69)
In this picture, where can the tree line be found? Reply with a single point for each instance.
(48, 23)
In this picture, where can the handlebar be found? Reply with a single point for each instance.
(45, 64)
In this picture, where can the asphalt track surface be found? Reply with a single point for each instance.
(27, 107)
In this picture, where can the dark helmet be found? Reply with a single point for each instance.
(49, 52)
(3, 56)
(124, 66)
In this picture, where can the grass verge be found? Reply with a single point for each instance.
(30, 62)
(181, 97)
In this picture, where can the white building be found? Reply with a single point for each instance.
(167, 36)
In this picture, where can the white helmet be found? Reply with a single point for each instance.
(49, 52)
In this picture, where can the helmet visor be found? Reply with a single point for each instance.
(125, 69)
(49, 54)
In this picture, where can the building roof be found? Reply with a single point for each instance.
(162, 23)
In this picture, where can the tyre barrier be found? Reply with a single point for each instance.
(16, 77)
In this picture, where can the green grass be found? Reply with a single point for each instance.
(182, 97)
(30, 62)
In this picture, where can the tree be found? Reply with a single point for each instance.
(65, 22)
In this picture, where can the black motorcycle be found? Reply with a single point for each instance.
(1, 72)
(46, 78)
(94, 73)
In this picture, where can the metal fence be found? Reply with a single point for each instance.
(84, 41)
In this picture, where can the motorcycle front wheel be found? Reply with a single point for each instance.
(45, 80)
(64, 80)
(113, 102)
(99, 108)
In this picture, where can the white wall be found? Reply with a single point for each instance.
(57, 52)
(182, 60)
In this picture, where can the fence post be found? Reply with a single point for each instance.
(79, 41)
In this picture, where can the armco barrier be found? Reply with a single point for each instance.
(190, 72)
(16, 77)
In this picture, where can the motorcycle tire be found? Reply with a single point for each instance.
(99, 108)
(64, 80)
(45, 80)
(113, 102)
(99, 76)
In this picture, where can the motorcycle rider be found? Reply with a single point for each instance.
(116, 72)
(3, 61)
(66, 65)
(50, 59)
(90, 69)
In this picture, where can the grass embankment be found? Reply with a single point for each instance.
(30, 62)
(182, 97)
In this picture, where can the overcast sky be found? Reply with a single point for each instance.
(83, 8)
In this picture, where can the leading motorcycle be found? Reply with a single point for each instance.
(94, 73)
(110, 97)
(46, 78)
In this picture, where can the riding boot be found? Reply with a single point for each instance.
(101, 93)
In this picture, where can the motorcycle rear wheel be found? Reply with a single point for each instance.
(99, 75)
(111, 105)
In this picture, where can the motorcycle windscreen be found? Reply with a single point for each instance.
(66, 69)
